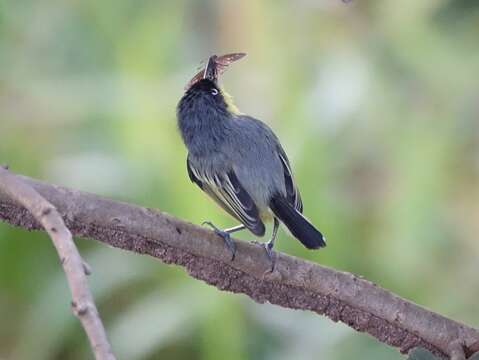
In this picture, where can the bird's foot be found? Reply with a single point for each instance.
(225, 236)
(268, 247)
(271, 254)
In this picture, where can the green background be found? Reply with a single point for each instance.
(376, 103)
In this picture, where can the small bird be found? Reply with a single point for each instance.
(239, 162)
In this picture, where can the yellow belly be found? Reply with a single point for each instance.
(266, 215)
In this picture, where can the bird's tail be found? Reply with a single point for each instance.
(299, 226)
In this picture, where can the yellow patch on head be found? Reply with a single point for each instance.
(229, 103)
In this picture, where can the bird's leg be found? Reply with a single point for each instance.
(225, 235)
(268, 246)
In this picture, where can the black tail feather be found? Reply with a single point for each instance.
(299, 226)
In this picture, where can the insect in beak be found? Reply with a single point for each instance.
(214, 68)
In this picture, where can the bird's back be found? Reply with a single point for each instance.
(253, 148)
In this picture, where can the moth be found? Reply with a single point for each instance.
(215, 67)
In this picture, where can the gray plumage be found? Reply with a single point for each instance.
(237, 160)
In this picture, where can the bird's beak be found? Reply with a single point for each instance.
(211, 69)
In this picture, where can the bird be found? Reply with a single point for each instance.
(239, 162)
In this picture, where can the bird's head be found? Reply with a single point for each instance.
(206, 95)
(203, 92)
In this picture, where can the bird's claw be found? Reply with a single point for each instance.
(225, 236)
(229, 243)
(271, 254)
(268, 247)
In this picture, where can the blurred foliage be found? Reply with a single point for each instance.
(422, 354)
(376, 103)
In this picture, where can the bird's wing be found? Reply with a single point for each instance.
(292, 192)
(226, 190)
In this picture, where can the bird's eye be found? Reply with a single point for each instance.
(214, 92)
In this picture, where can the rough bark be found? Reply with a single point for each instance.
(295, 283)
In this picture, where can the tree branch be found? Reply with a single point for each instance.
(295, 283)
(47, 215)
